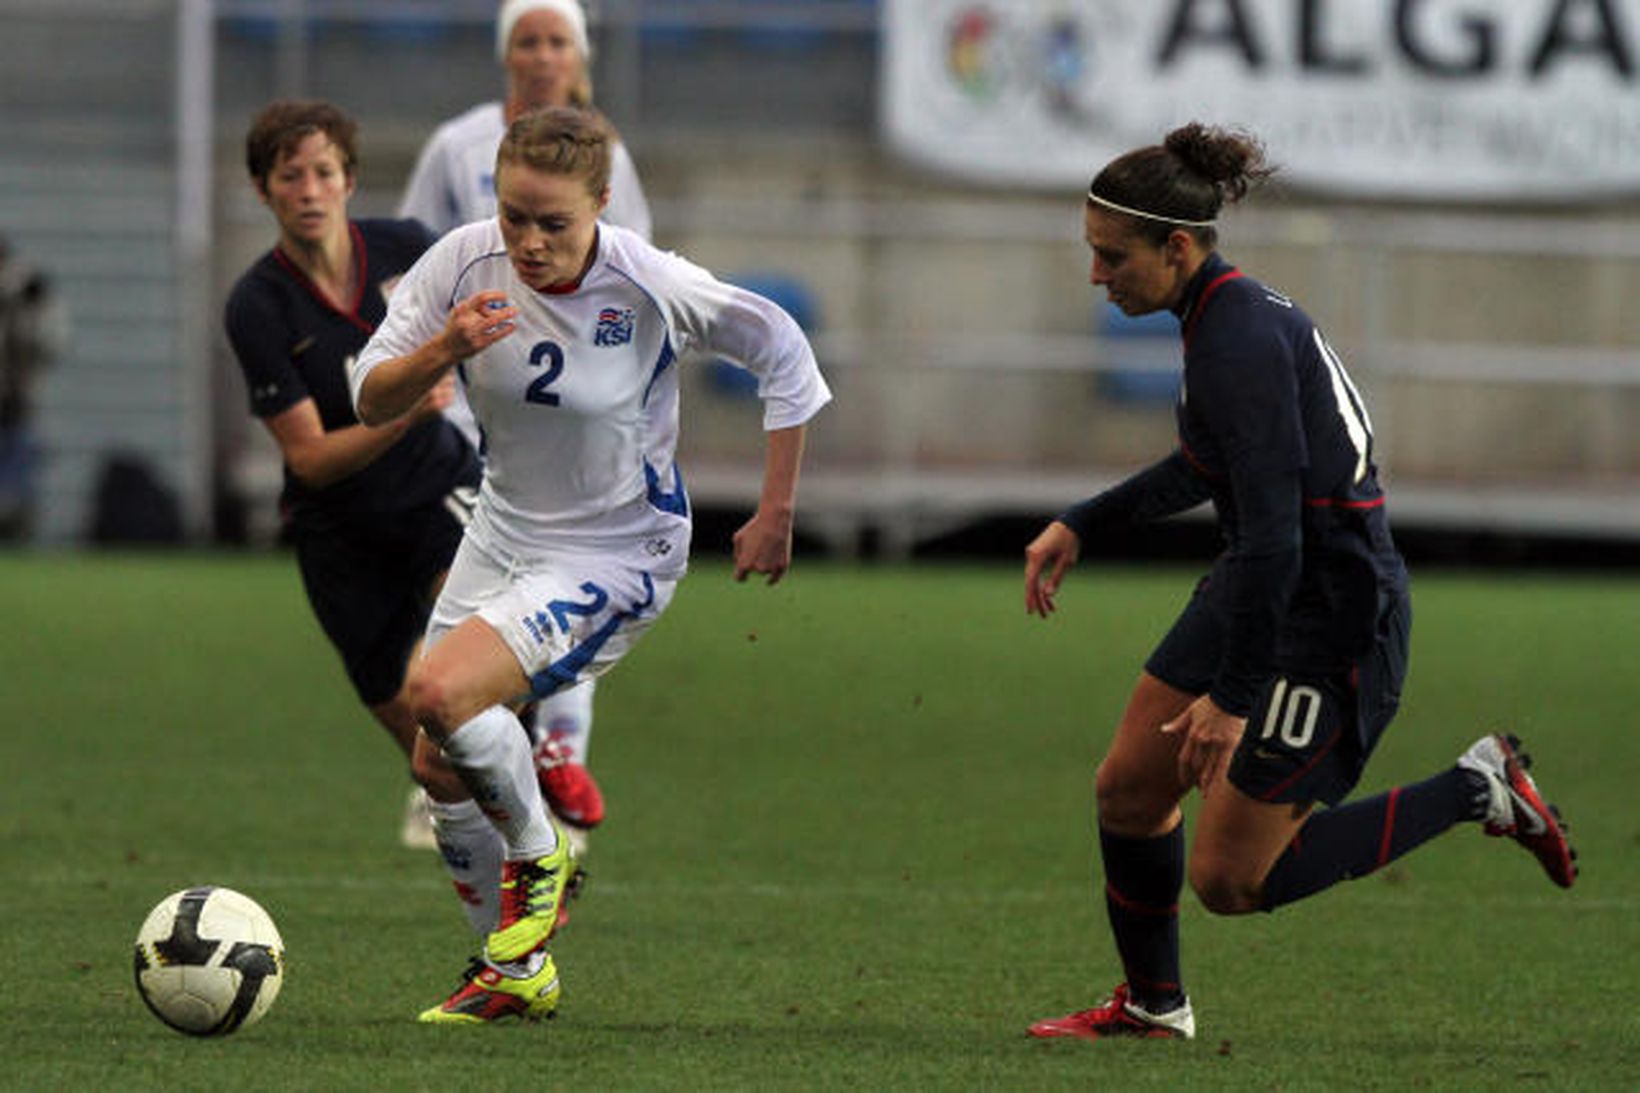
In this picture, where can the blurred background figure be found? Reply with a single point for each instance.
(546, 56)
(33, 331)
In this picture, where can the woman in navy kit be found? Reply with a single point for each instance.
(374, 512)
(1271, 689)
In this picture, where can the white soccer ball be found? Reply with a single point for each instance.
(209, 961)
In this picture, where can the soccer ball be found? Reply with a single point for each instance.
(209, 961)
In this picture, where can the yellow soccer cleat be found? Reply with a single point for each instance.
(490, 994)
(531, 894)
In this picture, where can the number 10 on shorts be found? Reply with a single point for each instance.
(1293, 713)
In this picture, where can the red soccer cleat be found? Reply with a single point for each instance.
(1516, 808)
(1120, 1016)
(567, 786)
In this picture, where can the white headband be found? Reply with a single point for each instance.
(513, 10)
(1097, 200)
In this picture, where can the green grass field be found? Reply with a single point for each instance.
(849, 847)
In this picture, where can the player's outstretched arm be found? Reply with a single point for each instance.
(1047, 558)
(764, 543)
(397, 384)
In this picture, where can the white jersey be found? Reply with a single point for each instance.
(579, 405)
(454, 179)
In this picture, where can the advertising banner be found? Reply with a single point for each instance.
(1492, 100)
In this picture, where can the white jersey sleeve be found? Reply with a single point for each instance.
(749, 330)
(421, 301)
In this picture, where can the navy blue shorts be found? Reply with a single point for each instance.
(372, 590)
(1310, 732)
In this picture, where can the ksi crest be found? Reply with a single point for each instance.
(614, 326)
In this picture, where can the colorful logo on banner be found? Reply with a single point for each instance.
(983, 60)
(972, 57)
(1388, 98)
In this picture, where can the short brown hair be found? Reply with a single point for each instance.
(561, 140)
(284, 124)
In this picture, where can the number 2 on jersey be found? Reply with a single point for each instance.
(538, 392)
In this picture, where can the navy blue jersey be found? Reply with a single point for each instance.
(293, 344)
(1273, 432)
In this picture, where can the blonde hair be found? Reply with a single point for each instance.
(561, 140)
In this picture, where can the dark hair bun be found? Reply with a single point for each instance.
(1230, 159)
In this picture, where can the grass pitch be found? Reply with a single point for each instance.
(849, 847)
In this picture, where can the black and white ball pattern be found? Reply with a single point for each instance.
(209, 961)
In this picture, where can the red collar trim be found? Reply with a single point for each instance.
(360, 274)
(1207, 294)
(1344, 503)
(572, 286)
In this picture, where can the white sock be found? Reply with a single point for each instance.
(566, 718)
(472, 849)
(492, 756)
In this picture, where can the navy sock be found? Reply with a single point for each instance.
(1355, 839)
(1143, 879)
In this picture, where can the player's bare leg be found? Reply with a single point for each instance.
(458, 691)
(1137, 785)
(1237, 841)
(416, 827)
(1141, 838)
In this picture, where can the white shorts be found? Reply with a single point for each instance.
(567, 618)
